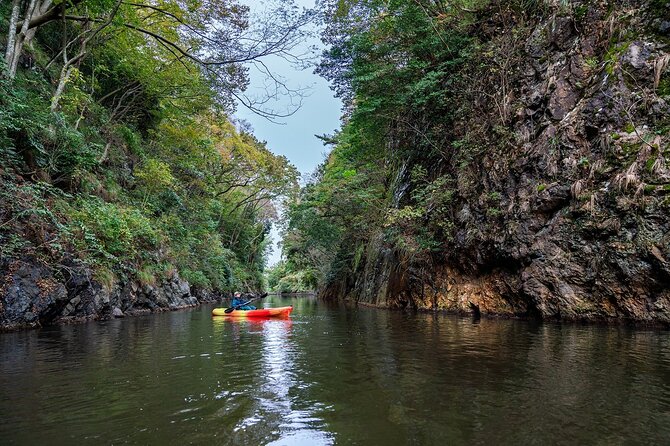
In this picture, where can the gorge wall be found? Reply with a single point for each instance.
(33, 296)
(564, 215)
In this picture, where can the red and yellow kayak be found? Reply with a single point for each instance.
(261, 312)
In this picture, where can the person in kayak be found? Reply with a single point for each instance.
(239, 300)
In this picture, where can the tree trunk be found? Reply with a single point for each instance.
(64, 76)
(69, 64)
(11, 35)
(40, 9)
(21, 39)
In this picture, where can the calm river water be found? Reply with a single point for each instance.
(334, 375)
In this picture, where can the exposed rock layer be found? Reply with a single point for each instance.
(32, 296)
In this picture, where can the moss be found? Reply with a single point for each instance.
(649, 165)
(493, 212)
(583, 307)
(612, 56)
(629, 128)
(592, 63)
(631, 148)
(664, 86)
(494, 196)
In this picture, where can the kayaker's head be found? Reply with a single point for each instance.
(237, 294)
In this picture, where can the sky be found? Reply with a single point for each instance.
(294, 135)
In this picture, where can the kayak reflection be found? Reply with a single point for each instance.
(254, 323)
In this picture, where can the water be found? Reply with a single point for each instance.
(334, 375)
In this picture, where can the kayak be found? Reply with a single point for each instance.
(261, 312)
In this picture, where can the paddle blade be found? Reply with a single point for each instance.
(229, 310)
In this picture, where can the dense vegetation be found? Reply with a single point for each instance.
(118, 152)
(396, 65)
(472, 127)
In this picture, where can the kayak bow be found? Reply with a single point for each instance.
(261, 312)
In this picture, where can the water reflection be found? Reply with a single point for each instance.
(278, 414)
(334, 375)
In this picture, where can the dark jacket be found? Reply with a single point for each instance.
(239, 301)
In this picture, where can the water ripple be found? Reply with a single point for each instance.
(334, 375)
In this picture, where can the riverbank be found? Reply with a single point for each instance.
(521, 170)
(475, 314)
(33, 295)
(126, 184)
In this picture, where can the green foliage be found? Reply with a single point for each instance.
(141, 172)
(297, 282)
(397, 66)
(664, 85)
(282, 279)
(155, 176)
(592, 63)
(613, 55)
(133, 141)
(108, 231)
(45, 139)
(398, 69)
(25, 208)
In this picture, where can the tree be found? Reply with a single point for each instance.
(395, 64)
(214, 36)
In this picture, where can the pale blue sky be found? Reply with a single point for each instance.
(294, 137)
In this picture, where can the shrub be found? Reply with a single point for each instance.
(110, 230)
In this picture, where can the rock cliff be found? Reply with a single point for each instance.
(564, 216)
(33, 296)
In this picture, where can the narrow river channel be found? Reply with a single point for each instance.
(334, 375)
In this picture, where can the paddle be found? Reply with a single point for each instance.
(231, 309)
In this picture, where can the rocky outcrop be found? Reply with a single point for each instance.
(30, 294)
(564, 216)
(33, 295)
